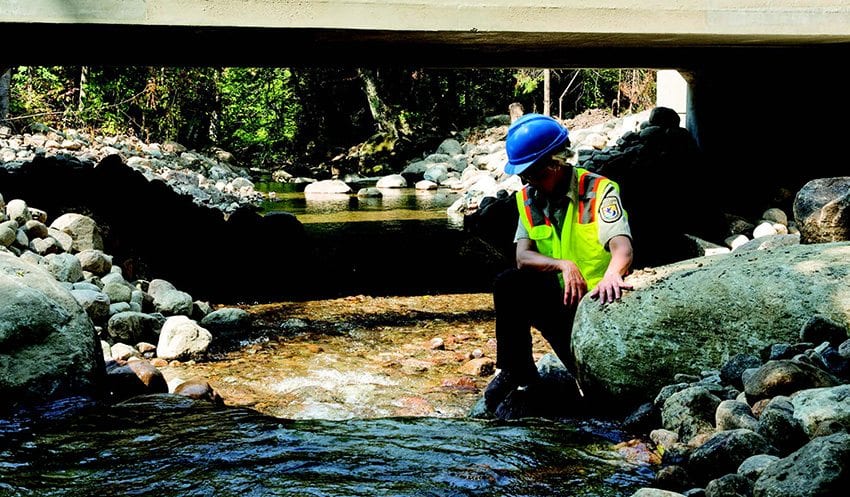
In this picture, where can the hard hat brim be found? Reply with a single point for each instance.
(518, 168)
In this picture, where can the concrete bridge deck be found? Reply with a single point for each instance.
(484, 33)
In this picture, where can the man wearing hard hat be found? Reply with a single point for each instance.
(572, 238)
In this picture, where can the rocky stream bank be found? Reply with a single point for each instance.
(753, 339)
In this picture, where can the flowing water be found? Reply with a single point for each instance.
(163, 445)
(401, 433)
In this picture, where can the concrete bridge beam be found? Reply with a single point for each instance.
(505, 33)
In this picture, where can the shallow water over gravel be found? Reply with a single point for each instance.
(356, 357)
(346, 399)
(337, 397)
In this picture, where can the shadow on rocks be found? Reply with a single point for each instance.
(153, 231)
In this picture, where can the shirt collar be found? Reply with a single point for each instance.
(541, 200)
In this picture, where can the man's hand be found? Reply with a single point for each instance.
(575, 285)
(612, 285)
(610, 288)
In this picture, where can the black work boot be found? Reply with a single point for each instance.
(503, 384)
(521, 402)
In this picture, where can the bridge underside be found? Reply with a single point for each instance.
(450, 33)
(116, 44)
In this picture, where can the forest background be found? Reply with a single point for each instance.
(361, 120)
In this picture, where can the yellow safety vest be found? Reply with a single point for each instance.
(579, 238)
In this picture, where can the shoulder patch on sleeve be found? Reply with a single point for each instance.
(610, 210)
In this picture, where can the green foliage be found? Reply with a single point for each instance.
(188, 100)
(527, 82)
(114, 100)
(442, 100)
(577, 90)
(259, 113)
(44, 92)
(154, 103)
(598, 88)
(429, 104)
(409, 120)
(305, 116)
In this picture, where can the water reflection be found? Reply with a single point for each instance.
(402, 242)
(394, 204)
(166, 445)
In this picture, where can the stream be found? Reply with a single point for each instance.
(334, 397)
(168, 445)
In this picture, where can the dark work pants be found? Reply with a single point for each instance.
(522, 299)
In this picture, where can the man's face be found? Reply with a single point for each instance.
(543, 174)
(535, 172)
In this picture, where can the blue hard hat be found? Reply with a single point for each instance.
(532, 137)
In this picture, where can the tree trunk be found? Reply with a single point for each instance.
(561, 98)
(5, 89)
(380, 112)
(215, 118)
(547, 103)
(84, 76)
(615, 105)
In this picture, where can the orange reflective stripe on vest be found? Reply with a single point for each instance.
(535, 218)
(578, 240)
(588, 187)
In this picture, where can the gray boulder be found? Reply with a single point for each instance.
(690, 412)
(132, 327)
(392, 181)
(815, 406)
(168, 300)
(819, 468)
(18, 211)
(64, 267)
(724, 451)
(95, 303)
(227, 321)
(48, 345)
(83, 231)
(328, 186)
(821, 210)
(95, 261)
(698, 313)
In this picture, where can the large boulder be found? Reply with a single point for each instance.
(696, 314)
(48, 345)
(822, 210)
